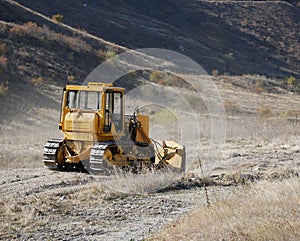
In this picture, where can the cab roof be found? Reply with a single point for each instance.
(95, 86)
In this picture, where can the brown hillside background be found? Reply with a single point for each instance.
(253, 37)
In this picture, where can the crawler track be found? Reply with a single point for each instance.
(97, 164)
(50, 154)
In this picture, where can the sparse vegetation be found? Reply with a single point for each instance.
(3, 61)
(151, 182)
(294, 84)
(110, 54)
(31, 29)
(37, 81)
(215, 72)
(106, 54)
(167, 79)
(264, 112)
(258, 87)
(58, 18)
(264, 211)
(262, 130)
(3, 48)
(101, 54)
(3, 88)
(292, 81)
(71, 78)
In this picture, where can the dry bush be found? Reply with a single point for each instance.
(156, 76)
(265, 211)
(57, 18)
(29, 28)
(3, 48)
(76, 43)
(101, 54)
(3, 61)
(258, 87)
(71, 78)
(3, 88)
(3, 28)
(264, 112)
(36, 81)
(45, 34)
(230, 106)
(292, 81)
(215, 72)
(21, 67)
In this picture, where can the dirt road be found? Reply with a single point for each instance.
(42, 205)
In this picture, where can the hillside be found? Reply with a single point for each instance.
(251, 49)
(253, 37)
(235, 38)
(37, 58)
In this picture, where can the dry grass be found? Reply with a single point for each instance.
(22, 146)
(151, 182)
(36, 81)
(45, 34)
(3, 61)
(262, 129)
(3, 89)
(264, 211)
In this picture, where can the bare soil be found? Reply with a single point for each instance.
(40, 204)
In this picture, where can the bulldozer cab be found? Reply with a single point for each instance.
(92, 112)
(113, 111)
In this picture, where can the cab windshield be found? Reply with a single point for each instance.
(84, 100)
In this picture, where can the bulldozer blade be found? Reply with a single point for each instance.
(173, 155)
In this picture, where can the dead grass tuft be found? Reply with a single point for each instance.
(264, 211)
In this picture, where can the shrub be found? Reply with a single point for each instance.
(294, 84)
(2, 48)
(110, 54)
(29, 28)
(258, 88)
(36, 81)
(264, 112)
(215, 72)
(155, 76)
(3, 61)
(2, 27)
(44, 34)
(57, 18)
(3, 88)
(292, 81)
(101, 54)
(71, 78)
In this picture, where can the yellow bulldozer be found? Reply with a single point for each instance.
(99, 137)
